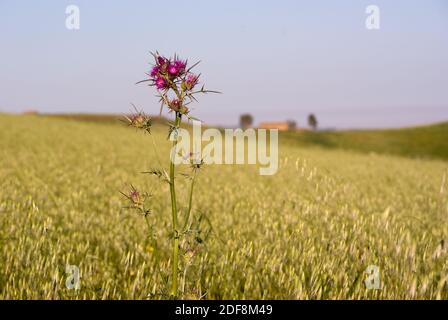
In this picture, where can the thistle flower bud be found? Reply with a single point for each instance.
(189, 82)
(175, 105)
(161, 60)
(184, 110)
(140, 120)
(134, 196)
(137, 200)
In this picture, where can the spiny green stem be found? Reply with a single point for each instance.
(190, 202)
(174, 209)
(156, 152)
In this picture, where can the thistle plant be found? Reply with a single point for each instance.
(177, 87)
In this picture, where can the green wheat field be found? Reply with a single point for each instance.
(339, 203)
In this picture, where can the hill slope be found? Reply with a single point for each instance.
(417, 142)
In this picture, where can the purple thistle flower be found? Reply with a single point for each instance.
(155, 71)
(180, 64)
(173, 70)
(177, 67)
(160, 83)
(161, 60)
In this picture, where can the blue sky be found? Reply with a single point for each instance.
(276, 60)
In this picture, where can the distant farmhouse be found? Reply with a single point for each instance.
(31, 112)
(280, 125)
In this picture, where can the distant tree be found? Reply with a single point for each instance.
(246, 121)
(292, 125)
(312, 121)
